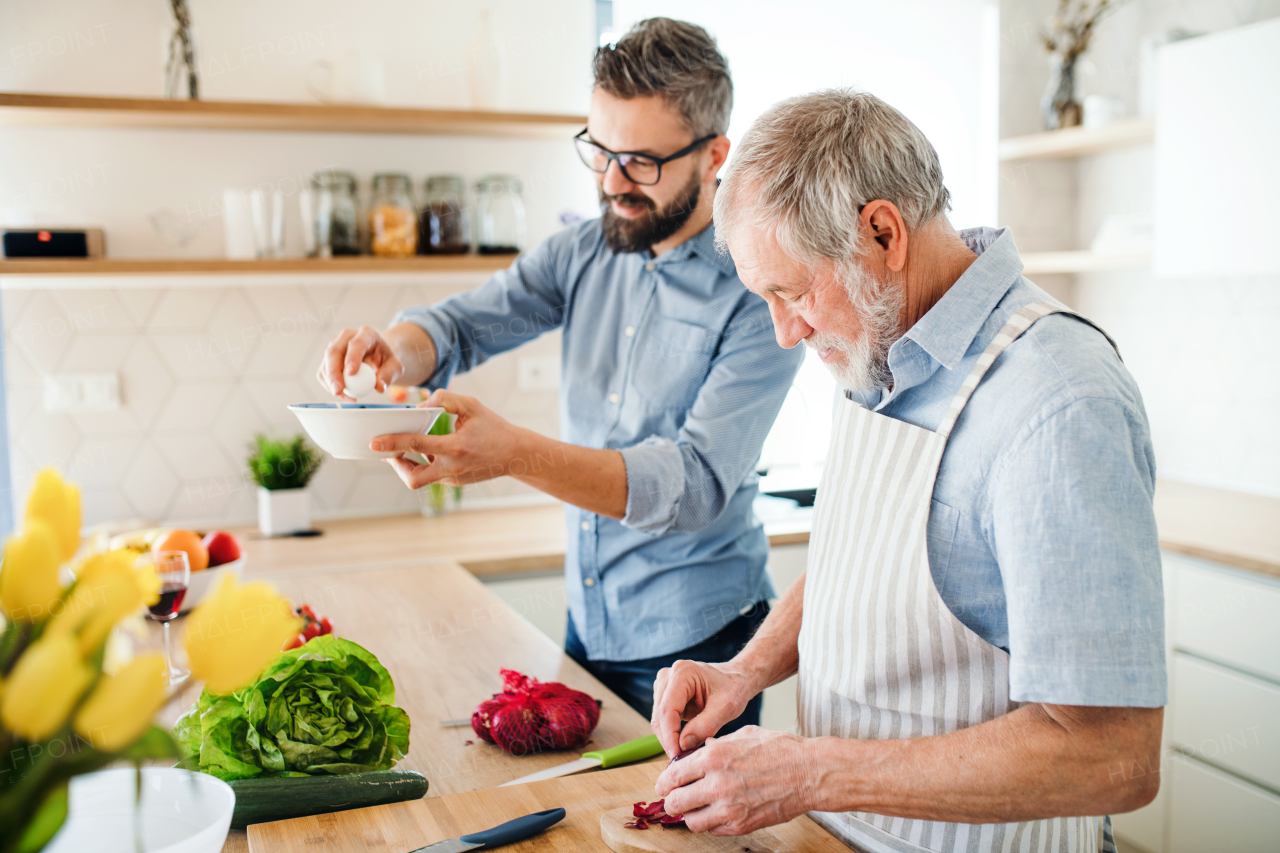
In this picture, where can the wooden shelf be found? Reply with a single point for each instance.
(18, 108)
(181, 266)
(1082, 261)
(1078, 141)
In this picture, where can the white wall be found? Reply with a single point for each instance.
(929, 58)
(176, 449)
(1204, 351)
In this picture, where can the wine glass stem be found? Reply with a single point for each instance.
(168, 655)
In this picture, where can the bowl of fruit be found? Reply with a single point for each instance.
(211, 555)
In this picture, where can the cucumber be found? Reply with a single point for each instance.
(280, 798)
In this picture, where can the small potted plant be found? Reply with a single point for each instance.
(282, 468)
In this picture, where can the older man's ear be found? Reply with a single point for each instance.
(884, 222)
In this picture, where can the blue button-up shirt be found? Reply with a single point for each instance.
(1041, 535)
(671, 361)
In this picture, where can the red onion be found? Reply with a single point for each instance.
(530, 716)
(653, 814)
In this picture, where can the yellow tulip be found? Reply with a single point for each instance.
(43, 687)
(109, 586)
(57, 503)
(120, 708)
(236, 632)
(29, 586)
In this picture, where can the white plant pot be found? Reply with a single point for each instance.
(283, 511)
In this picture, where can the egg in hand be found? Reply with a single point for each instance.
(362, 383)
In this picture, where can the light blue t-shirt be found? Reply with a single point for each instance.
(672, 362)
(1042, 538)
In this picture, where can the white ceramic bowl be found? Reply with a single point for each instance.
(202, 583)
(181, 812)
(345, 433)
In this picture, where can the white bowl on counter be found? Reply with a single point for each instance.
(203, 583)
(344, 432)
(180, 812)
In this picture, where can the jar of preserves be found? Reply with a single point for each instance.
(500, 222)
(393, 220)
(444, 227)
(336, 214)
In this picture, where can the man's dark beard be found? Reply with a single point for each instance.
(637, 235)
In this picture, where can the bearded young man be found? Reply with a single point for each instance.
(671, 377)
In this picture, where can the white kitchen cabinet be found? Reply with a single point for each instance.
(1220, 788)
(1213, 812)
(1228, 719)
(1228, 616)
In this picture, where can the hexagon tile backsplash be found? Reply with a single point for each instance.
(201, 369)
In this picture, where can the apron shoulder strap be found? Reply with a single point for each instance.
(1012, 330)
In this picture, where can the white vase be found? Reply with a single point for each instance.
(283, 511)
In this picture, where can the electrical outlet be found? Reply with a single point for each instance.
(538, 373)
(81, 392)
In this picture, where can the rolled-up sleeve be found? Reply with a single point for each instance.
(512, 307)
(685, 484)
(1075, 535)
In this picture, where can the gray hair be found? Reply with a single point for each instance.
(675, 60)
(809, 164)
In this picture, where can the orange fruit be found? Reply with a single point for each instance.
(184, 540)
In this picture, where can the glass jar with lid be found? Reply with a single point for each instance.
(336, 215)
(393, 219)
(444, 227)
(500, 223)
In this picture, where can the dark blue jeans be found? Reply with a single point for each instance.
(633, 680)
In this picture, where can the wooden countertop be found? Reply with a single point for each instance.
(585, 797)
(1234, 528)
(443, 637)
(486, 542)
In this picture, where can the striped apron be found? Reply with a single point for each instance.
(881, 656)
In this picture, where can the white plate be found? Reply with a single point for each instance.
(181, 812)
(345, 433)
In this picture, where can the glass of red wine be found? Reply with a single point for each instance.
(174, 571)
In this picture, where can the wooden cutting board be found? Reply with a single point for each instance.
(680, 840)
(402, 827)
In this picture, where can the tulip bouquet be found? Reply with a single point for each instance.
(65, 706)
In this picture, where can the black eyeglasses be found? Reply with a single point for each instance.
(639, 169)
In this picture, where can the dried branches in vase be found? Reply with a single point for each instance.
(182, 55)
(1066, 38)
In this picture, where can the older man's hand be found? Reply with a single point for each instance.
(742, 782)
(708, 695)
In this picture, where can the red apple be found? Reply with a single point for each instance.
(222, 547)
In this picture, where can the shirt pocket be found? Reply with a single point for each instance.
(941, 538)
(671, 362)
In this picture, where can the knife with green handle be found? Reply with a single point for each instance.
(624, 753)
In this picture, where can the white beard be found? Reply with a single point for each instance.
(865, 362)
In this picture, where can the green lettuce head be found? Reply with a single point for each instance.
(326, 707)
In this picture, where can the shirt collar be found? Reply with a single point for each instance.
(947, 329)
(701, 245)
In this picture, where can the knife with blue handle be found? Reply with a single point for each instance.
(506, 833)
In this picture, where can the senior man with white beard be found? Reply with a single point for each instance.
(979, 632)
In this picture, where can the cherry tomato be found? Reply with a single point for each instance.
(295, 642)
(326, 627)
